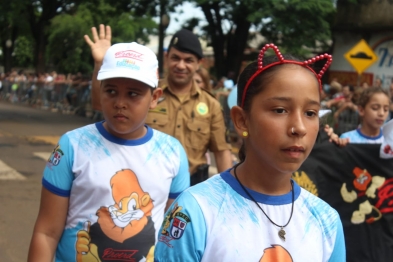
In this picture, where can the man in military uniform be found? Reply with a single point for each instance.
(186, 112)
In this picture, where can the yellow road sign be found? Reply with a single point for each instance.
(361, 56)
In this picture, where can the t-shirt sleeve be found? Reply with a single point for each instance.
(182, 179)
(217, 130)
(345, 135)
(339, 253)
(182, 236)
(58, 175)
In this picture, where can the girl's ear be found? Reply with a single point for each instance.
(239, 120)
(361, 111)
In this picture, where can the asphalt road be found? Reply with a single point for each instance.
(27, 136)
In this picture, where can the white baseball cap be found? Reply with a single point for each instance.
(130, 60)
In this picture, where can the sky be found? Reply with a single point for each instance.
(177, 18)
(189, 11)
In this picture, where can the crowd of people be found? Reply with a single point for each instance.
(347, 101)
(47, 90)
(120, 188)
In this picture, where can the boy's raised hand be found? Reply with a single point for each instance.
(101, 42)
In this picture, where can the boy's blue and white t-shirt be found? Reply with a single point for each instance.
(357, 137)
(117, 190)
(217, 221)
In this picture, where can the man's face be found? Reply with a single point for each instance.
(181, 67)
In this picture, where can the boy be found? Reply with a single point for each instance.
(106, 185)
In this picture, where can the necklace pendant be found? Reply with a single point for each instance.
(281, 234)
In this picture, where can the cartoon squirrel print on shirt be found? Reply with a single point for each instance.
(276, 253)
(124, 231)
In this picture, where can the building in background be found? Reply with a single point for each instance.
(372, 21)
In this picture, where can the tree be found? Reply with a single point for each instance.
(67, 50)
(12, 26)
(292, 24)
(296, 23)
(39, 14)
(23, 52)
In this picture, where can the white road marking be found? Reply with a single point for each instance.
(8, 173)
(42, 155)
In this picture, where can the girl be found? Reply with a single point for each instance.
(373, 108)
(202, 77)
(255, 211)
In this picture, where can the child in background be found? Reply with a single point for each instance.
(107, 185)
(202, 77)
(373, 108)
(255, 211)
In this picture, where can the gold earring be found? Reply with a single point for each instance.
(245, 133)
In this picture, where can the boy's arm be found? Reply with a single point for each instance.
(218, 144)
(181, 181)
(100, 44)
(48, 227)
(223, 160)
(57, 183)
(169, 203)
(95, 89)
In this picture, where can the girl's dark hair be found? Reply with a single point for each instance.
(366, 95)
(257, 85)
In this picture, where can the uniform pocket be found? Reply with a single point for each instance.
(156, 120)
(199, 133)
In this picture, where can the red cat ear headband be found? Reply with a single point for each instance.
(262, 68)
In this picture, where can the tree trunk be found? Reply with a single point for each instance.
(38, 27)
(9, 35)
(235, 49)
(7, 57)
(217, 36)
(39, 57)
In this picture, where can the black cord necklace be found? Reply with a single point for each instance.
(281, 232)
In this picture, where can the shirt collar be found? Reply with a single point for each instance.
(195, 89)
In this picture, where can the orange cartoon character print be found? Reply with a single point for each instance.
(276, 253)
(124, 231)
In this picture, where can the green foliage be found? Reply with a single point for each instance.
(300, 25)
(23, 52)
(129, 28)
(67, 50)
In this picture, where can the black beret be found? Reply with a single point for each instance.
(185, 41)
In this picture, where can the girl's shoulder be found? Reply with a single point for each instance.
(209, 195)
(318, 208)
(211, 189)
(356, 136)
